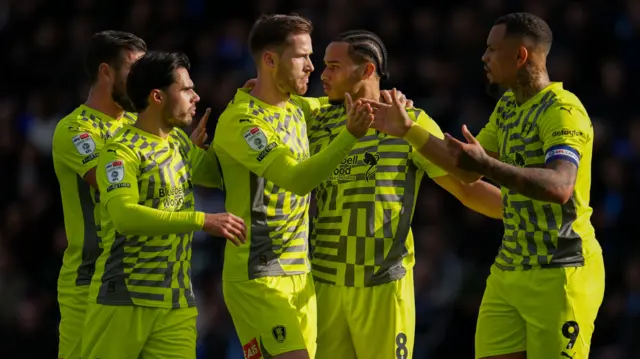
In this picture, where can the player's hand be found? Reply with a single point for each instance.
(359, 116)
(199, 134)
(250, 84)
(469, 156)
(392, 118)
(226, 225)
(385, 97)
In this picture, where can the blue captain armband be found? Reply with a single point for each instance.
(562, 152)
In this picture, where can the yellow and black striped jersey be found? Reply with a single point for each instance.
(150, 267)
(77, 143)
(362, 232)
(250, 134)
(552, 125)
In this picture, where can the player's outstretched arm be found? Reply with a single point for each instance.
(553, 183)
(254, 144)
(480, 196)
(394, 120)
(118, 183)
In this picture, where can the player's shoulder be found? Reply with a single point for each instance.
(242, 108)
(129, 118)
(76, 120)
(565, 100)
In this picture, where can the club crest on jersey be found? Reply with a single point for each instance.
(115, 171)
(84, 143)
(256, 139)
(279, 333)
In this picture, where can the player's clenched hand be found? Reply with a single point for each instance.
(226, 225)
(199, 134)
(392, 118)
(359, 117)
(385, 97)
(250, 84)
(469, 156)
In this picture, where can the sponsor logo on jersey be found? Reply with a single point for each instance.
(115, 171)
(252, 350)
(256, 139)
(84, 143)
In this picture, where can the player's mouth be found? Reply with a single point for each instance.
(326, 87)
(192, 112)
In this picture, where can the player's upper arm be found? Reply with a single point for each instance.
(117, 174)
(488, 136)
(249, 140)
(566, 133)
(78, 148)
(206, 169)
(430, 125)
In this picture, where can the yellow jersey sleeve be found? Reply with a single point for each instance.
(566, 133)
(422, 119)
(77, 147)
(249, 141)
(488, 136)
(117, 173)
(206, 169)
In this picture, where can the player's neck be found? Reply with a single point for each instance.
(153, 124)
(268, 92)
(100, 99)
(368, 92)
(529, 82)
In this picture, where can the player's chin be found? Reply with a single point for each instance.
(301, 89)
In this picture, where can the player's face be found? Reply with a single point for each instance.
(294, 65)
(119, 87)
(180, 105)
(340, 74)
(501, 57)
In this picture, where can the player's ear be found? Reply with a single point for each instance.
(156, 97)
(104, 71)
(368, 70)
(522, 55)
(270, 58)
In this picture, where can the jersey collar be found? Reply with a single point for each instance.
(243, 95)
(554, 86)
(92, 111)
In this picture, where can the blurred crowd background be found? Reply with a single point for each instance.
(434, 54)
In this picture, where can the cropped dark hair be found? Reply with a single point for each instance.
(365, 46)
(272, 31)
(527, 25)
(154, 70)
(107, 47)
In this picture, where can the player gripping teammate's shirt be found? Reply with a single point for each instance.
(362, 238)
(262, 150)
(143, 277)
(77, 143)
(549, 260)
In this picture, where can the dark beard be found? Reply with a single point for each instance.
(495, 91)
(122, 100)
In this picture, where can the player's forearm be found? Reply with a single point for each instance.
(301, 178)
(134, 219)
(544, 184)
(484, 198)
(435, 150)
